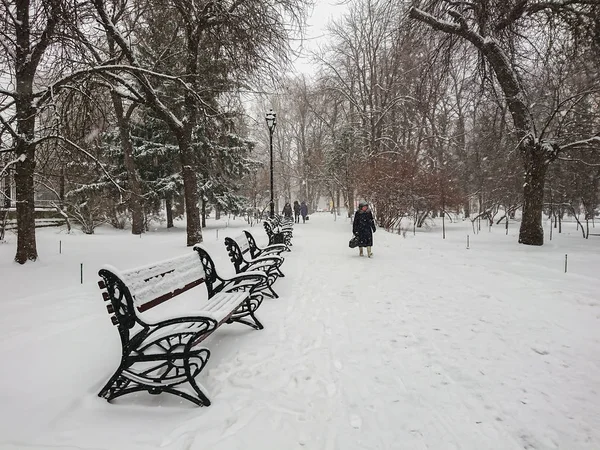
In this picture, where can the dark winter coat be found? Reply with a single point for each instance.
(287, 210)
(303, 209)
(363, 227)
(296, 208)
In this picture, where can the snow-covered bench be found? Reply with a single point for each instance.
(256, 251)
(269, 264)
(160, 344)
(278, 233)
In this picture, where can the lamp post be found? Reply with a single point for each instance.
(271, 122)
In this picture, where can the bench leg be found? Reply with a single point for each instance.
(247, 309)
(115, 386)
(273, 293)
(265, 288)
(125, 381)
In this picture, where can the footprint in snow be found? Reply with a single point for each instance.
(355, 421)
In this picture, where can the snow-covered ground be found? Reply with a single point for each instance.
(428, 345)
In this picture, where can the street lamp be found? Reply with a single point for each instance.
(271, 122)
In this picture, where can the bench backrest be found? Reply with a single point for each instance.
(269, 228)
(274, 238)
(213, 282)
(252, 247)
(145, 287)
(236, 254)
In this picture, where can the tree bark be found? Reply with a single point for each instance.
(169, 210)
(190, 193)
(135, 199)
(26, 243)
(536, 166)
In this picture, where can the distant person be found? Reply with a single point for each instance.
(296, 211)
(363, 228)
(303, 211)
(287, 210)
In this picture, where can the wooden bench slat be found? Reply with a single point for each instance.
(163, 298)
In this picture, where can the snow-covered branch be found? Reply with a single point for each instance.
(82, 150)
(577, 160)
(573, 98)
(459, 28)
(8, 93)
(108, 71)
(7, 126)
(21, 158)
(594, 140)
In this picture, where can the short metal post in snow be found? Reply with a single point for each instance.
(81, 272)
(60, 247)
(467, 242)
(565, 263)
(217, 234)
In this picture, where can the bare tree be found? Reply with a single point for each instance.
(29, 29)
(494, 29)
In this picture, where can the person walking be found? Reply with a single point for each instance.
(363, 228)
(303, 211)
(287, 210)
(296, 211)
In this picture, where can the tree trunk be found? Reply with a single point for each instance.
(536, 165)
(135, 200)
(169, 208)
(27, 58)
(190, 192)
(61, 187)
(26, 243)
(350, 203)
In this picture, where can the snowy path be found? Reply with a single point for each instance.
(425, 346)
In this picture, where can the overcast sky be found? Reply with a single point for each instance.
(322, 14)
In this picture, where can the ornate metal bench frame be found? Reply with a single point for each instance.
(256, 251)
(270, 265)
(277, 236)
(158, 357)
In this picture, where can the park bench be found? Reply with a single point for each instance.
(160, 349)
(282, 222)
(277, 234)
(270, 265)
(256, 251)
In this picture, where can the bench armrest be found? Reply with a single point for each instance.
(244, 280)
(192, 327)
(271, 259)
(266, 265)
(272, 251)
(274, 247)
